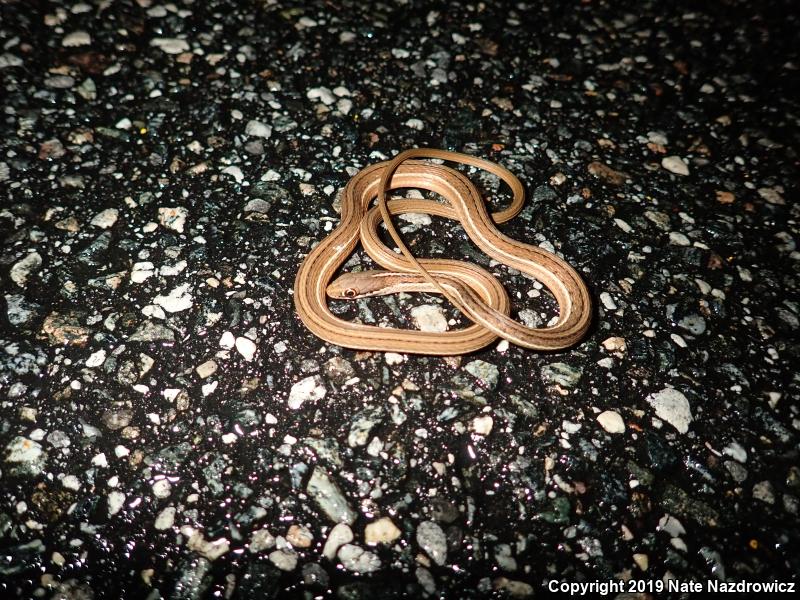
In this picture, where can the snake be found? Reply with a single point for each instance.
(470, 288)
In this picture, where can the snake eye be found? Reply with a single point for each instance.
(350, 293)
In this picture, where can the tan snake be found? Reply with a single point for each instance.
(471, 289)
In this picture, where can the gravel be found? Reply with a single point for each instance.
(171, 429)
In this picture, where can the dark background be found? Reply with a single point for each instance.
(581, 100)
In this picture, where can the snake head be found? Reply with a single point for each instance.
(354, 285)
(344, 287)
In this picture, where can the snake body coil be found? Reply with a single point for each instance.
(471, 289)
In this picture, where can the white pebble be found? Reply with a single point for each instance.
(106, 218)
(227, 340)
(246, 347)
(71, 482)
(166, 518)
(211, 549)
(679, 341)
(115, 501)
(608, 301)
(358, 560)
(676, 238)
(206, 369)
(9, 60)
(21, 270)
(675, 164)
(261, 540)
(170, 45)
(100, 460)
(382, 531)
(141, 271)
(736, 451)
(234, 172)
(623, 225)
(615, 344)
(173, 217)
(285, 559)
(172, 270)
(176, 301)
(611, 421)
(393, 358)
(657, 138)
(673, 407)
(704, 287)
(341, 534)
(344, 106)
(96, 359)
(433, 541)
(151, 310)
(76, 38)
(162, 488)
(258, 129)
(321, 93)
(671, 525)
(764, 491)
(482, 425)
(642, 561)
(310, 388)
(429, 317)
